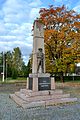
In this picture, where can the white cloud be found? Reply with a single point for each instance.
(9, 45)
(11, 25)
(34, 13)
(2, 28)
(29, 39)
(77, 8)
(22, 43)
(35, 3)
(15, 11)
(24, 29)
(16, 18)
(7, 37)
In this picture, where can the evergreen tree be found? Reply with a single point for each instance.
(17, 61)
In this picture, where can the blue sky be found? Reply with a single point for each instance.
(16, 19)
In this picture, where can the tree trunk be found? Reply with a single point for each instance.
(61, 77)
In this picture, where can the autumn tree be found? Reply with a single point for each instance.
(62, 38)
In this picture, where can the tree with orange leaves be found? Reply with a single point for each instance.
(62, 39)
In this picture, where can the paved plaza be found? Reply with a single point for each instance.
(9, 110)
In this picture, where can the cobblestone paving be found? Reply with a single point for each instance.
(9, 110)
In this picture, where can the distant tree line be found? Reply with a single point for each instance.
(14, 65)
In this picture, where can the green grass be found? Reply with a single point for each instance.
(10, 80)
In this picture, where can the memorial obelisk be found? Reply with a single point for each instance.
(39, 80)
(38, 43)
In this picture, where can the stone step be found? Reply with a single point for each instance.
(61, 100)
(49, 102)
(21, 102)
(38, 98)
(34, 104)
(38, 93)
(17, 99)
(25, 104)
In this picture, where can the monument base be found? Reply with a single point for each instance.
(40, 82)
(40, 91)
(28, 98)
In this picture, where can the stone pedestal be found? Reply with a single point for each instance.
(40, 81)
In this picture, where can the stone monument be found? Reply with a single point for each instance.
(40, 89)
(39, 80)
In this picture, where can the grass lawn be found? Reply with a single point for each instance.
(10, 80)
(72, 87)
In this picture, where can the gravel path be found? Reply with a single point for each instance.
(10, 111)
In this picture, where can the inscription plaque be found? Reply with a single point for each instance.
(44, 83)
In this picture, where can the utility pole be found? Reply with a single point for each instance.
(6, 69)
(3, 68)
